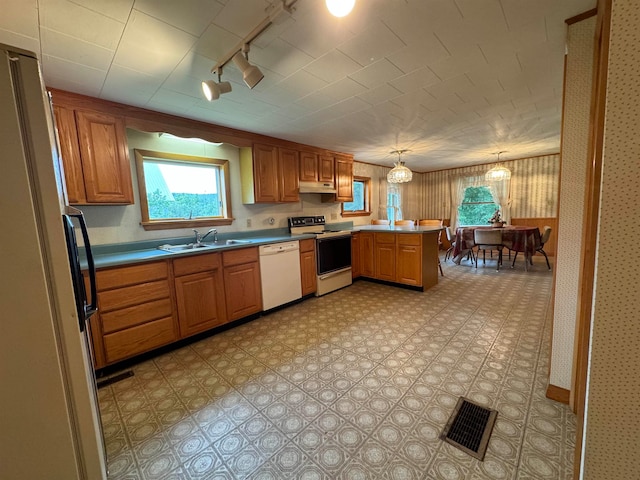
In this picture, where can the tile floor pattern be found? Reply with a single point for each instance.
(357, 384)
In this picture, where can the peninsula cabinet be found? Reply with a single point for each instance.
(242, 282)
(405, 258)
(269, 174)
(200, 298)
(135, 311)
(308, 266)
(94, 152)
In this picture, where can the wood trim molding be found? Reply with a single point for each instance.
(558, 394)
(581, 16)
(592, 200)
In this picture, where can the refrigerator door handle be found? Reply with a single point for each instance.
(90, 308)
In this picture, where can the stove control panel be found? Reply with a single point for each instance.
(306, 221)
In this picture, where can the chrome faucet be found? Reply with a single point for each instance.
(200, 238)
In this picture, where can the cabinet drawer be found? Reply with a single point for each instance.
(385, 237)
(133, 295)
(123, 276)
(307, 245)
(132, 316)
(410, 239)
(240, 256)
(142, 338)
(196, 263)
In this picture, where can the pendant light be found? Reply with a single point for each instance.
(498, 173)
(399, 173)
(340, 8)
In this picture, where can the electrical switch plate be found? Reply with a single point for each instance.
(248, 222)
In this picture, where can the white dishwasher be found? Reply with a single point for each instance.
(280, 274)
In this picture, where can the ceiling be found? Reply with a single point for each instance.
(453, 81)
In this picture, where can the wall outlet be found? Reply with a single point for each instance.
(248, 222)
(334, 216)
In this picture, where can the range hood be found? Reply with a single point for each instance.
(317, 187)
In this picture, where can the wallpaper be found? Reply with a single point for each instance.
(612, 421)
(534, 187)
(575, 142)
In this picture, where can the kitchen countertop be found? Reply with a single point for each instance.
(387, 228)
(136, 252)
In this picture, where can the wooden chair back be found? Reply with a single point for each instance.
(377, 221)
(405, 223)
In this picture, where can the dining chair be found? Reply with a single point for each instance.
(452, 241)
(377, 221)
(405, 223)
(427, 222)
(544, 238)
(484, 240)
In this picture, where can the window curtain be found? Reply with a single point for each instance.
(457, 185)
(500, 190)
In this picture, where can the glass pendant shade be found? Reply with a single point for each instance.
(399, 174)
(497, 174)
(340, 8)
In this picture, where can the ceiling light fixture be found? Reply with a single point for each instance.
(276, 13)
(250, 73)
(340, 8)
(399, 173)
(213, 90)
(498, 173)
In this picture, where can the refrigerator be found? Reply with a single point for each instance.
(49, 419)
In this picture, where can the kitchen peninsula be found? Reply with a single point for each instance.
(407, 256)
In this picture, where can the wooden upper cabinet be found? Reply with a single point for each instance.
(288, 161)
(316, 168)
(95, 156)
(308, 167)
(274, 175)
(344, 178)
(326, 169)
(265, 173)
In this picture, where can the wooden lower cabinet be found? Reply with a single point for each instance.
(308, 266)
(200, 299)
(356, 263)
(406, 258)
(409, 259)
(135, 312)
(367, 264)
(242, 282)
(385, 256)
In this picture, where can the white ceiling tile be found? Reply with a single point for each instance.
(376, 73)
(371, 45)
(333, 66)
(215, 43)
(193, 17)
(453, 66)
(380, 94)
(20, 17)
(421, 78)
(343, 89)
(171, 98)
(151, 46)
(20, 41)
(85, 24)
(241, 17)
(413, 57)
(118, 10)
(65, 75)
(68, 48)
(280, 57)
(301, 83)
(315, 101)
(139, 85)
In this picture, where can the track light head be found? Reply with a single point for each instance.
(250, 73)
(213, 90)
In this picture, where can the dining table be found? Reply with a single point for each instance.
(517, 238)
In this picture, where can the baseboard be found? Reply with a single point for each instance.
(558, 394)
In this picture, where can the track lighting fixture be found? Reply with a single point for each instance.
(277, 12)
(250, 73)
(213, 90)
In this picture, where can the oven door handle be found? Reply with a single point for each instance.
(333, 274)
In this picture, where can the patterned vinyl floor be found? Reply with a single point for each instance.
(357, 384)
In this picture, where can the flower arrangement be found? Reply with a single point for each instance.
(496, 219)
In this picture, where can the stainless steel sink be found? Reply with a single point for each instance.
(184, 247)
(234, 241)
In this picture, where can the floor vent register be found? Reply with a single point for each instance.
(469, 428)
